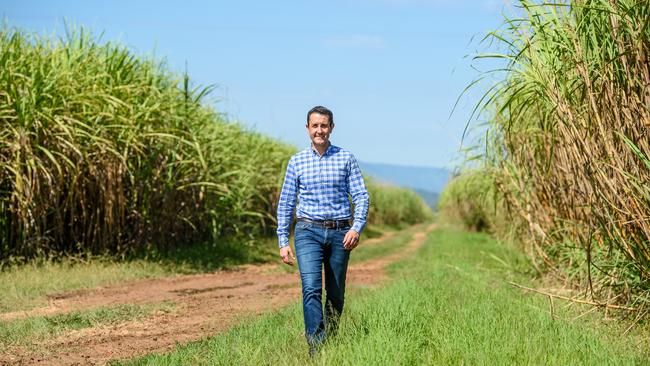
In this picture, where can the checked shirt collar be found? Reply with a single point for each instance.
(329, 151)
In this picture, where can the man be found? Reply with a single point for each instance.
(322, 177)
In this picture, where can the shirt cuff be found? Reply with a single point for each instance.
(283, 242)
(358, 227)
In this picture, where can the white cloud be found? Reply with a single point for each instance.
(356, 41)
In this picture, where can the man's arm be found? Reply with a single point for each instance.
(286, 205)
(359, 195)
(361, 200)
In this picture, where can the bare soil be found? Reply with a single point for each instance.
(205, 304)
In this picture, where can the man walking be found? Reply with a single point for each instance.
(322, 177)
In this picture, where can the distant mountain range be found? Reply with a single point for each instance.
(428, 182)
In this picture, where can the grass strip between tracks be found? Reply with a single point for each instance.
(448, 304)
(24, 332)
(28, 286)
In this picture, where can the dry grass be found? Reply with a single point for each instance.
(104, 152)
(568, 141)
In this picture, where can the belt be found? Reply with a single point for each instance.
(330, 224)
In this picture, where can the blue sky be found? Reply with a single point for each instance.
(391, 70)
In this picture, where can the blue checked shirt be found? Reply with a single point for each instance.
(322, 185)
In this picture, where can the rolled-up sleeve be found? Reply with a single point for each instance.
(287, 204)
(359, 194)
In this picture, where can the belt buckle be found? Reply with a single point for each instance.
(330, 224)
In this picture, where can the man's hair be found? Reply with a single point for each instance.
(321, 110)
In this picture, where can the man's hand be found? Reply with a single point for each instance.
(351, 240)
(287, 255)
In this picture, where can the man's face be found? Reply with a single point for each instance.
(319, 129)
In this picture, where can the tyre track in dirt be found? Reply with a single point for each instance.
(205, 304)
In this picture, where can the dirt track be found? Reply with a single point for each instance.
(205, 304)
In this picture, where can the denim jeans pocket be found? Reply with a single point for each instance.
(303, 225)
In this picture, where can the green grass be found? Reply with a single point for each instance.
(24, 332)
(449, 304)
(385, 247)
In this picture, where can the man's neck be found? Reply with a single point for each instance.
(320, 149)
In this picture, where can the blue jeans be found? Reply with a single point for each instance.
(316, 247)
